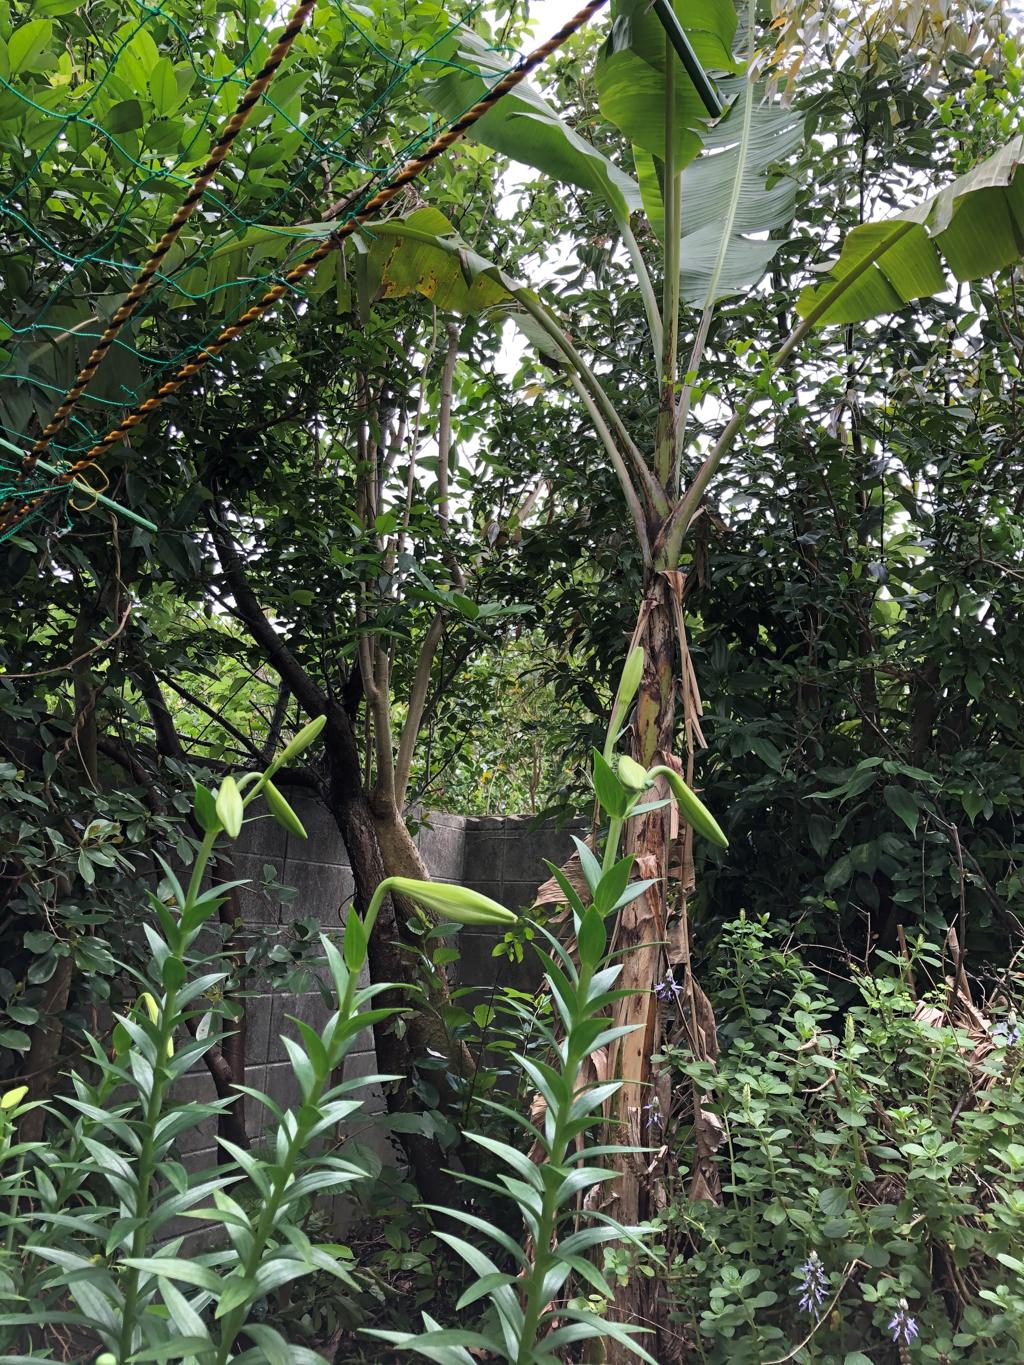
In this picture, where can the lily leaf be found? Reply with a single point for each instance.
(971, 228)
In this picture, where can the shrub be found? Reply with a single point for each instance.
(871, 1166)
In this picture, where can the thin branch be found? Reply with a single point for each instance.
(822, 1319)
(79, 658)
(168, 742)
(247, 609)
(244, 740)
(414, 439)
(277, 720)
(414, 715)
(383, 739)
(444, 422)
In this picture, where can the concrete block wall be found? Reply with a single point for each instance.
(502, 857)
(505, 859)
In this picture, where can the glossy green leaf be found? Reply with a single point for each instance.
(205, 807)
(612, 795)
(902, 803)
(972, 228)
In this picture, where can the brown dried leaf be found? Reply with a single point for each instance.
(552, 894)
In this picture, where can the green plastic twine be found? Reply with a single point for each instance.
(172, 287)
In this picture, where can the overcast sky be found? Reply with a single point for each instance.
(550, 15)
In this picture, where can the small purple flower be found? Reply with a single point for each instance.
(1006, 1033)
(813, 1288)
(903, 1327)
(669, 989)
(655, 1117)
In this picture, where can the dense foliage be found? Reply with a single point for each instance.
(391, 505)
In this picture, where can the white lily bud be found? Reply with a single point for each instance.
(302, 741)
(455, 903)
(632, 774)
(229, 807)
(693, 808)
(281, 810)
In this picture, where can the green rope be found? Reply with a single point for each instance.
(195, 280)
(191, 284)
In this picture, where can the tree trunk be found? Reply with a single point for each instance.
(41, 1066)
(395, 1054)
(41, 1063)
(654, 950)
(640, 935)
(229, 1067)
(350, 807)
(428, 1031)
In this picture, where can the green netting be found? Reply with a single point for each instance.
(109, 121)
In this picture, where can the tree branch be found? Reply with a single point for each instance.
(211, 711)
(414, 715)
(168, 741)
(247, 609)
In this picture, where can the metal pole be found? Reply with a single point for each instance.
(691, 64)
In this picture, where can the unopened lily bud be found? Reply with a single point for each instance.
(632, 672)
(150, 1006)
(282, 811)
(692, 807)
(455, 903)
(632, 774)
(12, 1098)
(229, 807)
(302, 741)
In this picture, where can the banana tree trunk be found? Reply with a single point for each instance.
(652, 932)
(640, 934)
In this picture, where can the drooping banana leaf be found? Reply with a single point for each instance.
(523, 126)
(630, 72)
(423, 254)
(726, 196)
(971, 228)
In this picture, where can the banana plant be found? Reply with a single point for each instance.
(539, 1292)
(717, 196)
